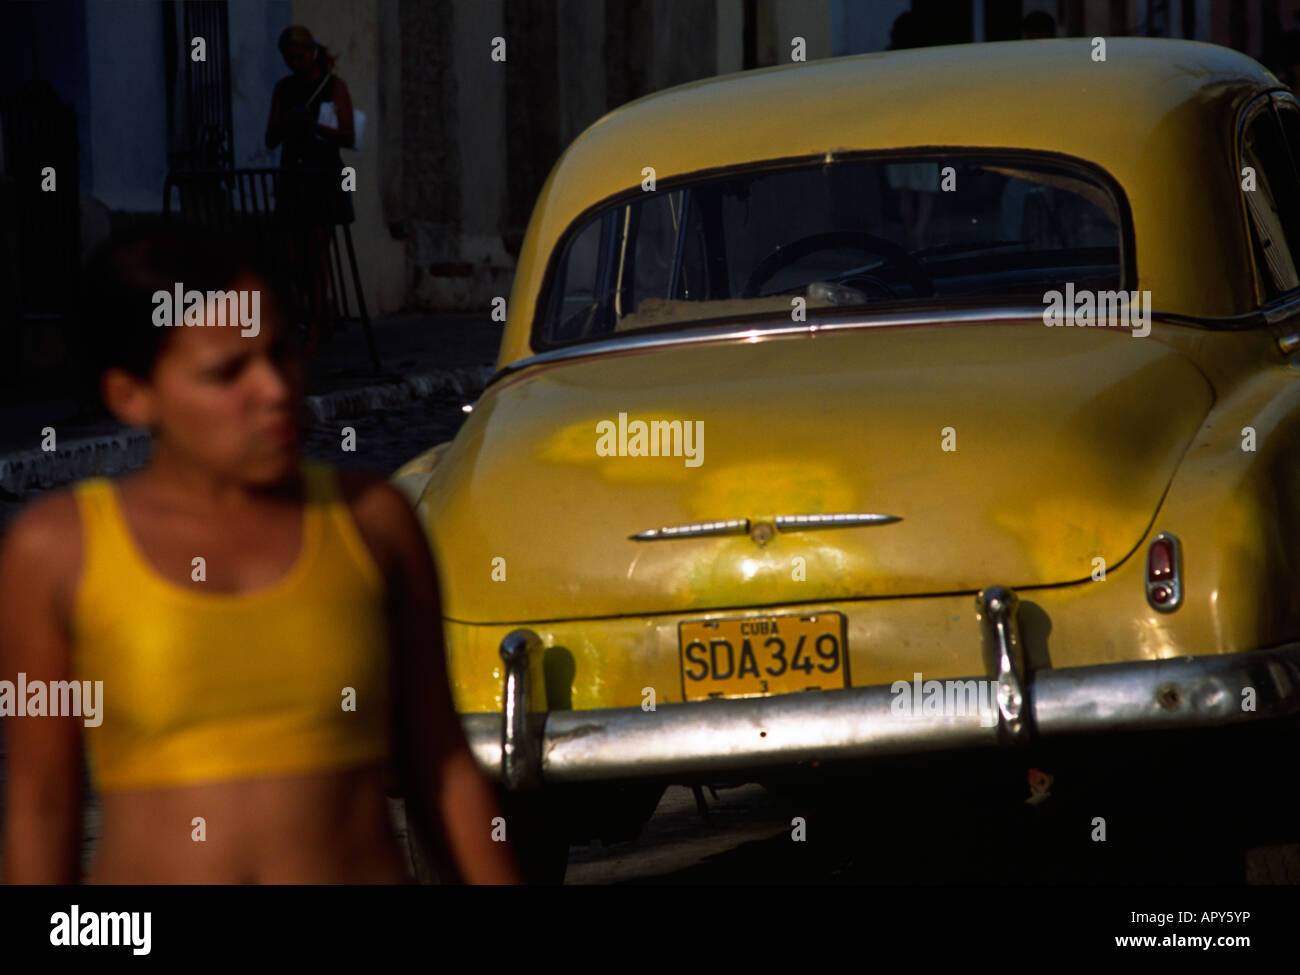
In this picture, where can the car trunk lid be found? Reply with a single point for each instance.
(1009, 454)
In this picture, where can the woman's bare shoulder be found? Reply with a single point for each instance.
(42, 545)
(382, 514)
(50, 524)
(365, 491)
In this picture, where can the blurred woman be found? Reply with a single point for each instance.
(267, 630)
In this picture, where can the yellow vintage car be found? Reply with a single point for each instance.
(916, 402)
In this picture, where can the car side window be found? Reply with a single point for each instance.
(1274, 204)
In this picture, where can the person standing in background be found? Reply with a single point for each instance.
(310, 197)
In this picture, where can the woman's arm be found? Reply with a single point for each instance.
(344, 136)
(450, 803)
(42, 804)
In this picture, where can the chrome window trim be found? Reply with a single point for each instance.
(732, 332)
(1281, 308)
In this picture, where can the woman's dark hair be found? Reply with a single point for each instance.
(298, 34)
(118, 283)
(325, 57)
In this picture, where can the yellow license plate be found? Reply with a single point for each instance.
(762, 655)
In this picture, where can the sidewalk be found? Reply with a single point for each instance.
(421, 353)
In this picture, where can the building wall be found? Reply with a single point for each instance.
(429, 122)
(582, 94)
(863, 27)
(481, 111)
(255, 67)
(781, 21)
(127, 107)
(483, 134)
(730, 17)
(108, 61)
(48, 41)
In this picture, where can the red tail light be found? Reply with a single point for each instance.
(1164, 573)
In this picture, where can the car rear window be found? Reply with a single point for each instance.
(849, 234)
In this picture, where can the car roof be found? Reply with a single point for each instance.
(1158, 115)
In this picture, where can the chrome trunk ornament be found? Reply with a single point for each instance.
(734, 526)
(783, 523)
(798, 523)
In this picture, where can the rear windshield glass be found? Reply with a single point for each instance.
(841, 235)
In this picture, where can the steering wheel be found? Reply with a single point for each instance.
(783, 257)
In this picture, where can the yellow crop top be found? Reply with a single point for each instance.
(201, 686)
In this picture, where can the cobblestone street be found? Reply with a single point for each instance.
(386, 439)
(411, 346)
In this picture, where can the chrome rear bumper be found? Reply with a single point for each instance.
(729, 735)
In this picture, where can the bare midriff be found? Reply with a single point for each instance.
(329, 828)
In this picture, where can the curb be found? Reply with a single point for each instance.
(465, 381)
(110, 453)
(126, 449)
